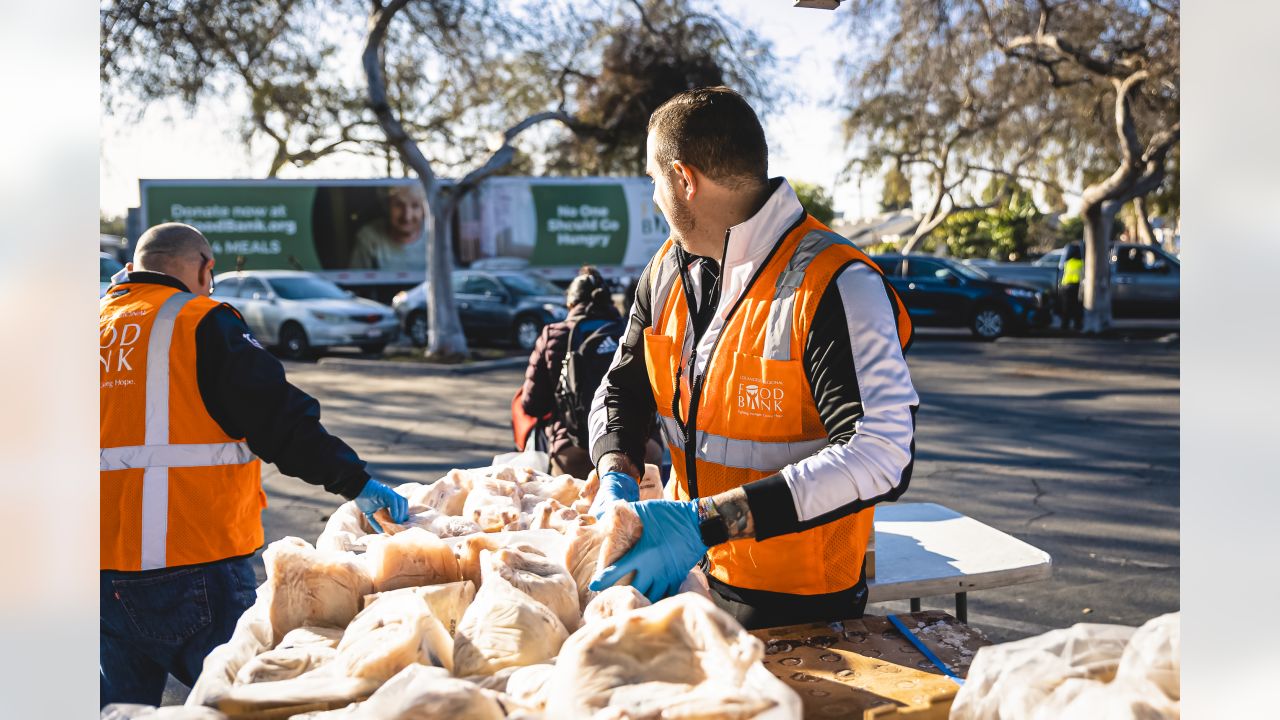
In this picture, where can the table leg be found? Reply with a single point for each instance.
(915, 604)
(962, 607)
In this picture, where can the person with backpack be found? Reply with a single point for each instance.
(567, 364)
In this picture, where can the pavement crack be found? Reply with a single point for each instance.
(398, 437)
(1040, 492)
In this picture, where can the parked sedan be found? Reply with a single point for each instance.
(942, 292)
(299, 311)
(503, 305)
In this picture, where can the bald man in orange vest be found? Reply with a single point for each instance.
(189, 403)
(770, 351)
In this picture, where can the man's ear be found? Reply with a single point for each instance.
(686, 178)
(129, 266)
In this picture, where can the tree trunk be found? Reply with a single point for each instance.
(446, 342)
(1096, 283)
(1142, 221)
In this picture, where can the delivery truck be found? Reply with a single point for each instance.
(369, 235)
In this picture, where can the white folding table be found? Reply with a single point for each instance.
(925, 549)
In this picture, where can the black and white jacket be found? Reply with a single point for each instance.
(852, 359)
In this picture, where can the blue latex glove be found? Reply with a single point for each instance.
(669, 547)
(374, 496)
(614, 486)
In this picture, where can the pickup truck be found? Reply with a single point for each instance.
(1145, 280)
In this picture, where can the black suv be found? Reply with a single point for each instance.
(941, 292)
(497, 305)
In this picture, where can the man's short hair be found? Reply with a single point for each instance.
(714, 130)
(170, 247)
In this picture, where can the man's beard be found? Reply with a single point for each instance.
(682, 223)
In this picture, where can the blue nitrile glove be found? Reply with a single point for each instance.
(614, 486)
(669, 547)
(375, 495)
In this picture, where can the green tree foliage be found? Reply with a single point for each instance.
(1053, 200)
(111, 224)
(655, 50)
(815, 199)
(1001, 232)
(896, 194)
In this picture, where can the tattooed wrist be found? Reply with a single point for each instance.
(733, 507)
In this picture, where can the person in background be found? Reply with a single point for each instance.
(398, 241)
(1072, 271)
(190, 402)
(590, 306)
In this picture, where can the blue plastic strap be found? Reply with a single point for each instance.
(928, 654)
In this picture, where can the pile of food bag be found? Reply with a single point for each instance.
(478, 607)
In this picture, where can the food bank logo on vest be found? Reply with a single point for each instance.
(756, 397)
(116, 344)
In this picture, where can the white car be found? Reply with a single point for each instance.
(299, 311)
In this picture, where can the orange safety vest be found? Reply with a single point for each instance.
(176, 489)
(756, 412)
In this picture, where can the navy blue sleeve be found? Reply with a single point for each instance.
(245, 391)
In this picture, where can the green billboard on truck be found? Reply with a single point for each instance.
(373, 232)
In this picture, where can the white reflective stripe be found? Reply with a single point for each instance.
(157, 428)
(188, 455)
(668, 271)
(155, 480)
(777, 333)
(155, 517)
(777, 328)
(745, 454)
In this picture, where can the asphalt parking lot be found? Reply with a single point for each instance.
(1069, 444)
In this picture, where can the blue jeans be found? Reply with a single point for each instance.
(158, 623)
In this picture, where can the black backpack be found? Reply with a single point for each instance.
(591, 347)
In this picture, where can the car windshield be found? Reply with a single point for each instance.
(529, 285)
(1050, 258)
(969, 271)
(306, 288)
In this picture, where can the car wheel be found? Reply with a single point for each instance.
(373, 348)
(988, 323)
(293, 342)
(527, 331)
(416, 327)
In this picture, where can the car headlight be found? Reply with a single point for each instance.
(399, 298)
(1020, 293)
(559, 312)
(326, 317)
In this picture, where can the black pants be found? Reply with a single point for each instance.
(759, 609)
(1070, 307)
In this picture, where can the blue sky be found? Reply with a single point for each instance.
(805, 138)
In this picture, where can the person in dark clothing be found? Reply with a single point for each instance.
(190, 404)
(588, 298)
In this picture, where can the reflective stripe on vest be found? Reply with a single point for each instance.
(155, 479)
(743, 454)
(189, 455)
(777, 332)
(665, 276)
